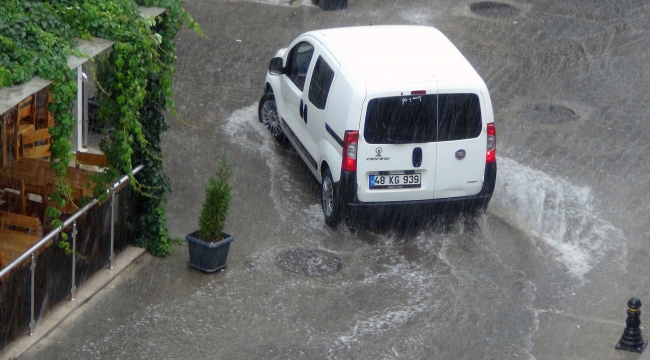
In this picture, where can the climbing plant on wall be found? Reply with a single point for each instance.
(135, 81)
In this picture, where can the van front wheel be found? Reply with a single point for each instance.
(331, 206)
(268, 115)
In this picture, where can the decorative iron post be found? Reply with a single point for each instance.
(110, 257)
(632, 340)
(32, 270)
(74, 260)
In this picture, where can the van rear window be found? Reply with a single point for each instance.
(459, 117)
(422, 118)
(401, 119)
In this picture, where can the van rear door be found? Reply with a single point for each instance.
(462, 139)
(396, 156)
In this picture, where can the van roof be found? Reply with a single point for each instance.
(398, 54)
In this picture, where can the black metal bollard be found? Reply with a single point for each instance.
(632, 340)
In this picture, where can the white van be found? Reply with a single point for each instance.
(384, 115)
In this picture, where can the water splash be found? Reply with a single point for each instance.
(557, 212)
(244, 129)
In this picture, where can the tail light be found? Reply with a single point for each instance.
(350, 143)
(491, 155)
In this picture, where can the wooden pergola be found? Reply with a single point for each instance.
(26, 178)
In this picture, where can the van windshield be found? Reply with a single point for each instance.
(422, 118)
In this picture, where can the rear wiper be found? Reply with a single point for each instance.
(397, 141)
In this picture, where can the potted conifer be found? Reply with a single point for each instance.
(209, 245)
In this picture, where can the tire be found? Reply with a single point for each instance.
(329, 200)
(268, 115)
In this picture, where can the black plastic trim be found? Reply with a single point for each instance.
(333, 134)
(464, 199)
(347, 187)
(301, 147)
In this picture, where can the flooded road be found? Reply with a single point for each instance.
(544, 274)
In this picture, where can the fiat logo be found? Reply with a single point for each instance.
(378, 151)
(460, 154)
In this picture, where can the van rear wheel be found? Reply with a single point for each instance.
(329, 202)
(268, 115)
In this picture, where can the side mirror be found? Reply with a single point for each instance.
(275, 66)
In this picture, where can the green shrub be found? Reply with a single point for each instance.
(217, 203)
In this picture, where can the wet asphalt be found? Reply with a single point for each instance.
(544, 274)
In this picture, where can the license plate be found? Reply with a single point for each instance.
(395, 181)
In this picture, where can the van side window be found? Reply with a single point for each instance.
(321, 80)
(459, 117)
(298, 63)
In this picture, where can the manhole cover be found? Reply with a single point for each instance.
(309, 262)
(553, 114)
(493, 9)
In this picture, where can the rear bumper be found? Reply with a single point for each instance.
(347, 191)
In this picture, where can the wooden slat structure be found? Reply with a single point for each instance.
(27, 111)
(17, 234)
(35, 144)
(19, 222)
(91, 159)
(12, 195)
(37, 174)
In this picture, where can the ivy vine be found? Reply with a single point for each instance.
(135, 81)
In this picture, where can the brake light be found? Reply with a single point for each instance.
(419, 92)
(350, 142)
(491, 155)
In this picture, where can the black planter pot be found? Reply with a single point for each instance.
(208, 257)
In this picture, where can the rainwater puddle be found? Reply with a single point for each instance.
(556, 212)
(245, 130)
(552, 113)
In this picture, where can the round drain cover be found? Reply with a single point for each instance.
(553, 114)
(309, 262)
(495, 9)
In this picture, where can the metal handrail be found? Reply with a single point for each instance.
(32, 250)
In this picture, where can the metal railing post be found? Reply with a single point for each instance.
(110, 259)
(74, 260)
(32, 269)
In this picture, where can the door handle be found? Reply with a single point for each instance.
(300, 109)
(305, 113)
(417, 157)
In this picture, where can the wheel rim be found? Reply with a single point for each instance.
(270, 118)
(328, 196)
